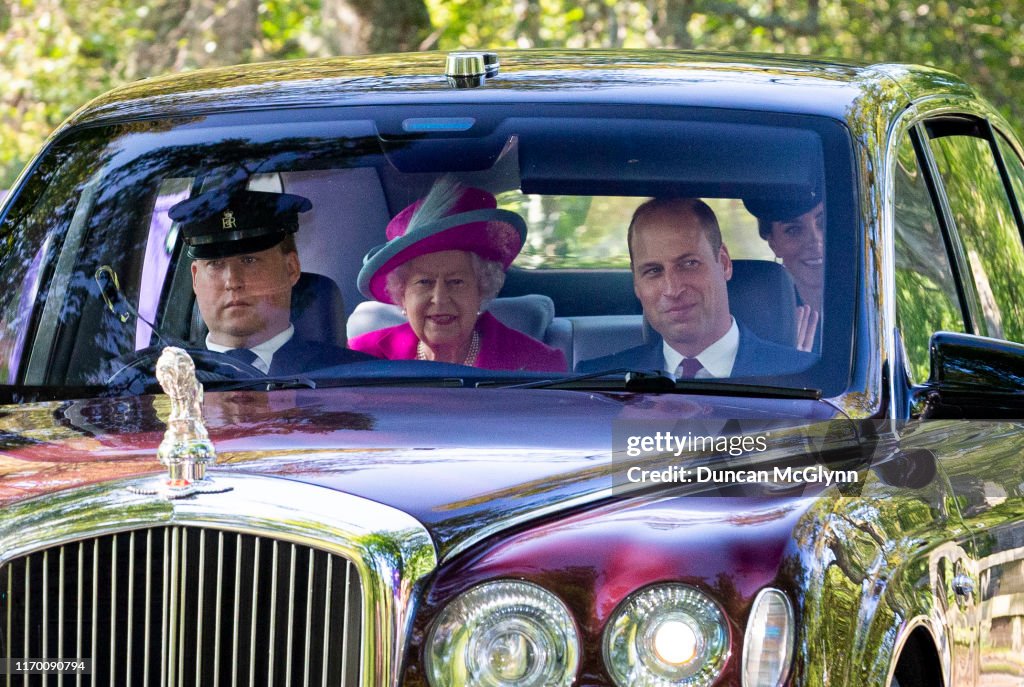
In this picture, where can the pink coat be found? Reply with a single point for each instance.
(501, 347)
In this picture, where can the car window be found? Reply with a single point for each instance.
(1014, 167)
(119, 282)
(49, 213)
(926, 296)
(985, 223)
(569, 232)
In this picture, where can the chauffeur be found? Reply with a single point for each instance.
(245, 266)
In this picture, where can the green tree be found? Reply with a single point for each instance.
(981, 40)
(55, 55)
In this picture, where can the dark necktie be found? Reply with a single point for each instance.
(688, 369)
(243, 354)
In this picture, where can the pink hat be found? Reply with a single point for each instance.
(450, 217)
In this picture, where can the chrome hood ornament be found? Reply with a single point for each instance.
(186, 449)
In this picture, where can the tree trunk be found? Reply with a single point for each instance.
(195, 33)
(353, 27)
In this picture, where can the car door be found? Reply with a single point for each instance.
(976, 204)
(928, 299)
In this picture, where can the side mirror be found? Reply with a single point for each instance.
(974, 376)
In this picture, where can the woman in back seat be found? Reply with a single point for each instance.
(795, 231)
(445, 258)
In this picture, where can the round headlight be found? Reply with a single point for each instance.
(666, 636)
(768, 641)
(502, 634)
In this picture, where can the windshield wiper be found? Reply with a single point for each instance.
(652, 381)
(263, 383)
(448, 382)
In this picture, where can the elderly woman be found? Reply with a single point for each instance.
(445, 259)
(795, 231)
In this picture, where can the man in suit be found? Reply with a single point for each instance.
(680, 269)
(245, 264)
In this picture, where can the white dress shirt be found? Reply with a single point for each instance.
(264, 351)
(717, 359)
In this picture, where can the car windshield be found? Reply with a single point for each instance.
(98, 275)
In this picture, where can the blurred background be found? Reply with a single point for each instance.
(55, 55)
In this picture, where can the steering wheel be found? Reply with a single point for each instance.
(137, 370)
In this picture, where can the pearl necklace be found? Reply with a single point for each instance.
(470, 361)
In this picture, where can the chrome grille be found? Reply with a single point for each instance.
(184, 606)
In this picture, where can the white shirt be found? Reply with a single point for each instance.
(717, 359)
(264, 351)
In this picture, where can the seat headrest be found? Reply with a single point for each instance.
(318, 312)
(762, 296)
(530, 314)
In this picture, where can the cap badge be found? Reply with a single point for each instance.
(227, 220)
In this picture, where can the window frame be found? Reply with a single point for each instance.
(961, 124)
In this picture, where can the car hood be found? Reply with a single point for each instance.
(458, 460)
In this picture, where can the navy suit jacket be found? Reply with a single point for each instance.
(299, 356)
(755, 357)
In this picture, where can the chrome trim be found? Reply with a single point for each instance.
(506, 523)
(113, 601)
(46, 600)
(10, 592)
(344, 628)
(25, 652)
(273, 608)
(309, 622)
(78, 619)
(390, 551)
(60, 609)
(793, 630)
(149, 597)
(291, 616)
(217, 603)
(234, 644)
(464, 64)
(327, 612)
(199, 606)
(173, 594)
(252, 615)
(95, 602)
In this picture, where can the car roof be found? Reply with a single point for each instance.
(733, 80)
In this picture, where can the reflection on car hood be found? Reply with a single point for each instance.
(455, 459)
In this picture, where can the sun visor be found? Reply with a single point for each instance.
(689, 158)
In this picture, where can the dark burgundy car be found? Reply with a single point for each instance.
(843, 508)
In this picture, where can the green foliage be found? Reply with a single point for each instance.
(57, 54)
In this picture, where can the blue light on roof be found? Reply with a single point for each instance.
(419, 125)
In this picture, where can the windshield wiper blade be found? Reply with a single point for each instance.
(448, 382)
(654, 381)
(264, 383)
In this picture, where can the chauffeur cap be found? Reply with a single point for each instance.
(219, 224)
